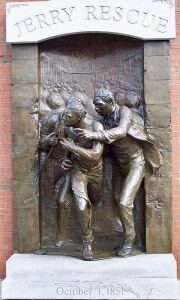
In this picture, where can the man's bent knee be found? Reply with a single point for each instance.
(126, 204)
(81, 203)
(65, 202)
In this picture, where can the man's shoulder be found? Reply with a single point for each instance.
(125, 110)
(97, 125)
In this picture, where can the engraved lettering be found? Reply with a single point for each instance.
(132, 16)
(59, 291)
(42, 20)
(118, 14)
(105, 12)
(19, 29)
(148, 22)
(69, 14)
(162, 27)
(81, 292)
(67, 292)
(55, 16)
(29, 25)
(91, 12)
(75, 292)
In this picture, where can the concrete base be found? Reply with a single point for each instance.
(56, 277)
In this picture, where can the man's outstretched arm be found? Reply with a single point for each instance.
(93, 154)
(113, 134)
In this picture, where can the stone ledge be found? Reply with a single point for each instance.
(34, 267)
(123, 288)
(55, 277)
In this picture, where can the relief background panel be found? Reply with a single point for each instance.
(25, 141)
(157, 121)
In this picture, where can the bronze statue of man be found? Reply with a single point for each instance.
(54, 212)
(123, 129)
(86, 172)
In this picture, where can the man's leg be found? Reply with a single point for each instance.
(83, 207)
(48, 207)
(64, 205)
(95, 187)
(129, 190)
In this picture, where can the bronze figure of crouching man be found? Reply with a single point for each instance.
(131, 149)
(86, 168)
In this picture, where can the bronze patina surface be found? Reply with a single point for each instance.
(73, 69)
(93, 184)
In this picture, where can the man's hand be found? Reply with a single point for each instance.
(49, 140)
(68, 145)
(84, 133)
(52, 140)
(60, 130)
(66, 164)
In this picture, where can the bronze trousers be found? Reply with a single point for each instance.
(127, 181)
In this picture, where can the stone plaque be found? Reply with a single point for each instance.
(31, 22)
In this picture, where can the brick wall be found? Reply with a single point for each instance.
(175, 121)
(6, 238)
(6, 217)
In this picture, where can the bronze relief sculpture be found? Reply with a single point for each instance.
(82, 140)
(94, 150)
(86, 169)
(124, 131)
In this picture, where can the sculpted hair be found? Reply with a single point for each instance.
(105, 94)
(132, 99)
(76, 106)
